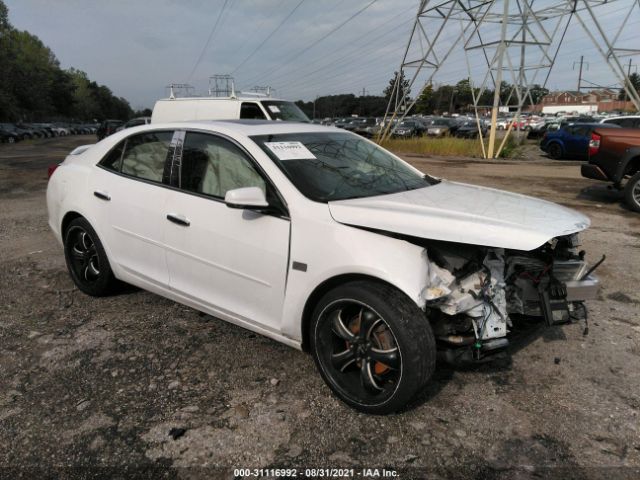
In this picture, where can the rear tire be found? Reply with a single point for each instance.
(372, 345)
(555, 151)
(632, 192)
(86, 259)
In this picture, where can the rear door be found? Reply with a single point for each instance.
(577, 141)
(130, 190)
(230, 260)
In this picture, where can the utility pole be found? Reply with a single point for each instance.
(580, 72)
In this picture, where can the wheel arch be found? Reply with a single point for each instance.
(67, 219)
(633, 165)
(326, 286)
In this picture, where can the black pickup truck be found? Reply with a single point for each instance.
(614, 156)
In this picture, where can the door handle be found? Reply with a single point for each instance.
(178, 219)
(102, 195)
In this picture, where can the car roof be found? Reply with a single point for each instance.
(620, 117)
(249, 127)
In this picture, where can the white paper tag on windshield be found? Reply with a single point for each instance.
(274, 109)
(290, 150)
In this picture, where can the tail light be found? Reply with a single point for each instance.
(594, 144)
(51, 169)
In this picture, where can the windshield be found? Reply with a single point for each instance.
(327, 166)
(286, 111)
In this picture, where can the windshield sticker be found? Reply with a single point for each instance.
(290, 150)
(274, 109)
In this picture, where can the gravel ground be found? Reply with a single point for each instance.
(136, 385)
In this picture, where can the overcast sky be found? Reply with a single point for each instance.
(137, 47)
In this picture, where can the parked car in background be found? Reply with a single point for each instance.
(135, 122)
(409, 128)
(342, 122)
(321, 240)
(628, 121)
(108, 127)
(21, 134)
(8, 136)
(503, 123)
(571, 140)
(352, 124)
(60, 130)
(441, 127)
(469, 129)
(367, 127)
(614, 156)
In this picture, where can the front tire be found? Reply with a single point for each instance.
(372, 345)
(632, 192)
(86, 259)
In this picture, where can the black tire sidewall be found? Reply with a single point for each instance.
(410, 328)
(555, 151)
(628, 192)
(104, 284)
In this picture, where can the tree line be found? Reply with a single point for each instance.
(436, 100)
(33, 87)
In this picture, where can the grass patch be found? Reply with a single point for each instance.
(446, 146)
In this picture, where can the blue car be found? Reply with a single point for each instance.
(571, 140)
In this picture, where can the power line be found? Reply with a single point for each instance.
(268, 37)
(335, 62)
(313, 44)
(340, 62)
(206, 44)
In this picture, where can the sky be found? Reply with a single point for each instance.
(298, 47)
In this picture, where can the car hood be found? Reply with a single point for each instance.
(457, 212)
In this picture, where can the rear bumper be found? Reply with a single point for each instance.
(589, 170)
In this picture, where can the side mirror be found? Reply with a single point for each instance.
(246, 198)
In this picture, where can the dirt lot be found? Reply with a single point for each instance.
(92, 387)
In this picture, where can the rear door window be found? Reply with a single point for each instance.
(145, 155)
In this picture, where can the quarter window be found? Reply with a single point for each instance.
(113, 159)
(212, 165)
(145, 155)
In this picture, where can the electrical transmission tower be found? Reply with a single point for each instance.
(515, 41)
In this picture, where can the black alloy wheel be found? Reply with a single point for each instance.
(373, 346)
(86, 259)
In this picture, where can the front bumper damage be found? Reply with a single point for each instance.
(474, 301)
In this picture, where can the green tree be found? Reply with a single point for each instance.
(424, 103)
(537, 94)
(34, 87)
(390, 90)
(634, 80)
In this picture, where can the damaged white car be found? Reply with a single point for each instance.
(322, 240)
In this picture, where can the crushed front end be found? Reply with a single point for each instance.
(476, 295)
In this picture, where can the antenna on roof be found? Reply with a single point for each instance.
(179, 86)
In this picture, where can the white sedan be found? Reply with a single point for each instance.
(321, 240)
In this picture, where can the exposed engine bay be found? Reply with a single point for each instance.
(475, 293)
